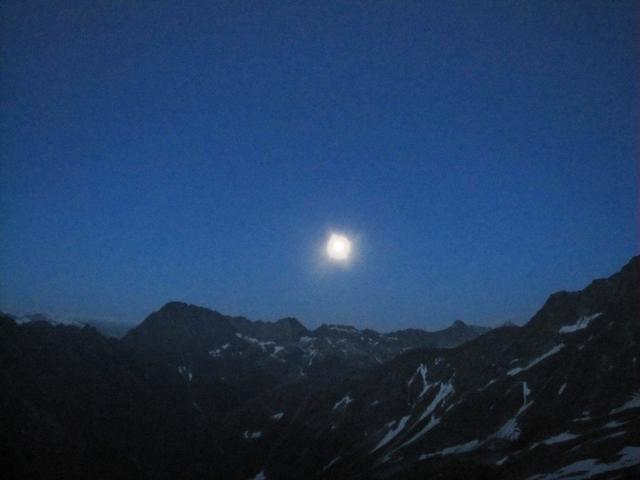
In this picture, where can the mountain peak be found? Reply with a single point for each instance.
(293, 325)
(174, 306)
(39, 317)
(459, 324)
(183, 310)
(290, 321)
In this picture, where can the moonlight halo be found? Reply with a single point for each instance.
(338, 247)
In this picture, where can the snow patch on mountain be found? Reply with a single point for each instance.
(261, 344)
(487, 385)
(269, 346)
(581, 323)
(590, 467)
(343, 402)
(421, 372)
(433, 422)
(392, 433)
(260, 476)
(561, 437)
(633, 402)
(510, 429)
(613, 424)
(456, 449)
(586, 417)
(330, 464)
(217, 352)
(444, 391)
(536, 360)
(312, 354)
(186, 373)
(612, 435)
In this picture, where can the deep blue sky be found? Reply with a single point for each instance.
(483, 155)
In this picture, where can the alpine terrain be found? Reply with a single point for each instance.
(192, 393)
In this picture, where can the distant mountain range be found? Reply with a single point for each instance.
(213, 346)
(109, 328)
(192, 393)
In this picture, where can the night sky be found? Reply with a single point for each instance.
(480, 155)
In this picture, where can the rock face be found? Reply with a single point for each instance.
(192, 393)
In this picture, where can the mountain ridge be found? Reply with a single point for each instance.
(178, 307)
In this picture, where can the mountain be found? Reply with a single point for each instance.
(228, 361)
(44, 317)
(250, 356)
(559, 395)
(192, 393)
(106, 327)
(508, 323)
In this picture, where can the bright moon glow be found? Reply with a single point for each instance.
(338, 247)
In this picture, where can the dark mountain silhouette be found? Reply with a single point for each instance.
(253, 355)
(109, 328)
(192, 393)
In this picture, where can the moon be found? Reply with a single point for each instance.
(338, 248)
